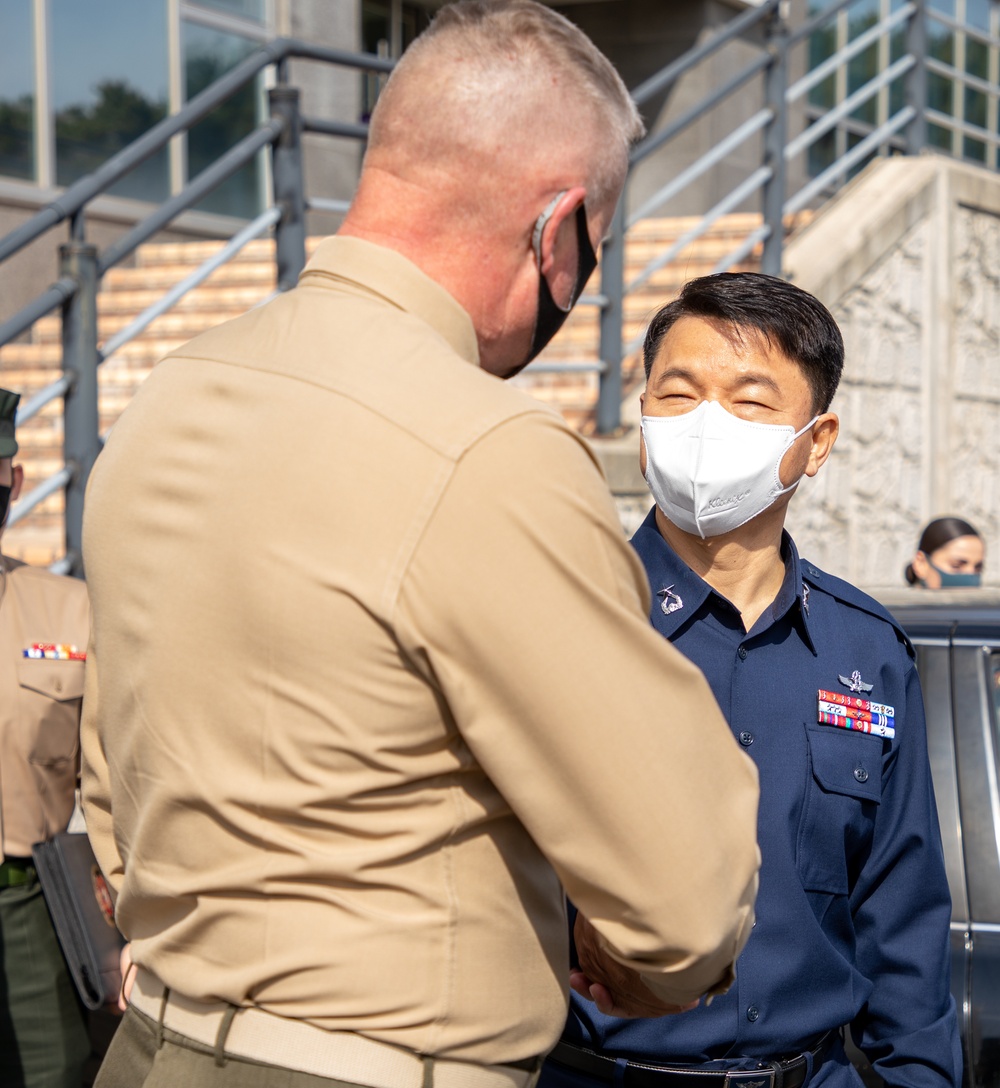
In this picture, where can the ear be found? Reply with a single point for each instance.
(924, 571)
(17, 480)
(824, 435)
(555, 239)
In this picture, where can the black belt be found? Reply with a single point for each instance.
(16, 872)
(781, 1073)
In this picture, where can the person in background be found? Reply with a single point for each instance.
(44, 626)
(949, 556)
(819, 686)
(370, 672)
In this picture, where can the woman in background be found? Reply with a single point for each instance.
(950, 554)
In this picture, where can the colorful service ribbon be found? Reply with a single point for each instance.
(54, 651)
(850, 712)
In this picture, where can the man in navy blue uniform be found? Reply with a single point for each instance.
(818, 684)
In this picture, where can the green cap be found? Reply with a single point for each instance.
(8, 410)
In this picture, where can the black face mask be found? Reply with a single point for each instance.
(4, 503)
(550, 314)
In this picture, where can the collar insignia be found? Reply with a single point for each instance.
(805, 598)
(855, 683)
(669, 601)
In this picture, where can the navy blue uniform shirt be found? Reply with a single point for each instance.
(853, 910)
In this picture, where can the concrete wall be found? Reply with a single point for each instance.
(908, 259)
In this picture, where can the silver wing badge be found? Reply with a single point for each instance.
(855, 683)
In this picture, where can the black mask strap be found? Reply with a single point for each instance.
(550, 314)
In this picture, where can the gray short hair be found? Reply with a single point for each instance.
(496, 40)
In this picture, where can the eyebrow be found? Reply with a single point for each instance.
(742, 382)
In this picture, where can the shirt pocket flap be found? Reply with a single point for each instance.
(59, 680)
(847, 762)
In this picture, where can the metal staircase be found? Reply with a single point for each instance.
(80, 366)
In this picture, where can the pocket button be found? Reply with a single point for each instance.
(860, 774)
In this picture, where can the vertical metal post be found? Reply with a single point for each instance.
(81, 424)
(609, 396)
(289, 187)
(775, 139)
(916, 78)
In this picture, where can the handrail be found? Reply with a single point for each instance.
(964, 127)
(733, 29)
(781, 113)
(758, 178)
(223, 167)
(657, 139)
(844, 164)
(157, 138)
(852, 49)
(700, 166)
(354, 131)
(39, 494)
(949, 71)
(831, 118)
(818, 21)
(252, 230)
(51, 392)
(45, 303)
(982, 36)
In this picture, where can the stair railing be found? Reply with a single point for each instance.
(765, 186)
(82, 265)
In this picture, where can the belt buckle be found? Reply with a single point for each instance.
(750, 1078)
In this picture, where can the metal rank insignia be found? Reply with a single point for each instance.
(669, 601)
(54, 651)
(852, 712)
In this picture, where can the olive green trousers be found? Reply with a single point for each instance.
(143, 1056)
(43, 1025)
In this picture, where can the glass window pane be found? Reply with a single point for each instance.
(17, 90)
(860, 70)
(977, 58)
(861, 16)
(939, 137)
(977, 14)
(249, 9)
(973, 149)
(940, 42)
(209, 54)
(945, 6)
(823, 44)
(109, 85)
(939, 93)
(975, 107)
(822, 153)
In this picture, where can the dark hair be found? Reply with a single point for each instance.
(801, 326)
(936, 534)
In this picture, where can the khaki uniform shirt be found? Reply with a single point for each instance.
(371, 674)
(39, 703)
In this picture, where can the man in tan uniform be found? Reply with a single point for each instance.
(44, 626)
(371, 679)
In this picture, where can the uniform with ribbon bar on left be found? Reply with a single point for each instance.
(44, 626)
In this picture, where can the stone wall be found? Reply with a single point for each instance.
(908, 260)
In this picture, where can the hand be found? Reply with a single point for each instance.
(128, 969)
(616, 990)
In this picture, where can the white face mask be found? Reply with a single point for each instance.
(711, 472)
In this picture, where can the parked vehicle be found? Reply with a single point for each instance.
(957, 638)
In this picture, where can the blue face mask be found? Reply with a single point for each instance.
(951, 580)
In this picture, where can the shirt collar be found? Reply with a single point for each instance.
(396, 279)
(671, 579)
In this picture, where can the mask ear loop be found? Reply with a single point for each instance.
(777, 468)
